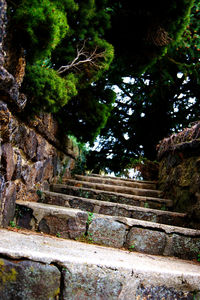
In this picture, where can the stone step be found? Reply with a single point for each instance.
(142, 201)
(115, 209)
(117, 181)
(86, 271)
(114, 231)
(114, 188)
(124, 179)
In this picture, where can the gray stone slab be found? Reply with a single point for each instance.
(115, 231)
(115, 188)
(107, 232)
(146, 241)
(115, 209)
(117, 181)
(102, 195)
(96, 272)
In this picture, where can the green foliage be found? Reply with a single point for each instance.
(52, 31)
(131, 247)
(80, 165)
(47, 90)
(86, 114)
(90, 218)
(153, 105)
(41, 25)
(198, 257)
(12, 224)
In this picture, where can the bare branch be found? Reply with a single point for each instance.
(83, 57)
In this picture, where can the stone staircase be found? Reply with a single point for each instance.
(121, 220)
(112, 212)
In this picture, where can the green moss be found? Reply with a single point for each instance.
(6, 275)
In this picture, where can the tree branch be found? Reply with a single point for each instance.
(83, 57)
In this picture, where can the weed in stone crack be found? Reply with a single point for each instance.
(90, 218)
(41, 195)
(163, 207)
(84, 194)
(131, 247)
(12, 224)
(86, 238)
(146, 205)
(89, 237)
(58, 234)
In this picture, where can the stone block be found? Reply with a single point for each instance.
(30, 144)
(161, 293)
(64, 226)
(8, 203)
(28, 280)
(87, 282)
(186, 247)
(146, 241)
(8, 160)
(107, 232)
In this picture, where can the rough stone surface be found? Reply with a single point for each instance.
(91, 282)
(98, 272)
(28, 160)
(50, 219)
(114, 188)
(26, 279)
(117, 181)
(179, 174)
(146, 241)
(182, 245)
(114, 231)
(110, 196)
(107, 232)
(7, 201)
(115, 209)
(64, 226)
(161, 293)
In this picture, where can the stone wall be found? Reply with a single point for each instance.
(179, 174)
(32, 152)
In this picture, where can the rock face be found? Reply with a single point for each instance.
(28, 280)
(32, 153)
(179, 175)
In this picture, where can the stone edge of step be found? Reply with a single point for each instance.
(53, 210)
(168, 202)
(125, 179)
(115, 181)
(107, 203)
(103, 185)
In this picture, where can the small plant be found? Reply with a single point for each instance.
(12, 224)
(163, 207)
(86, 238)
(89, 237)
(58, 234)
(198, 257)
(131, 247)
(90, 218)
(146, 205)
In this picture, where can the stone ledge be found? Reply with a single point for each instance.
(98, 272)
(113, 231)
(110, 196)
